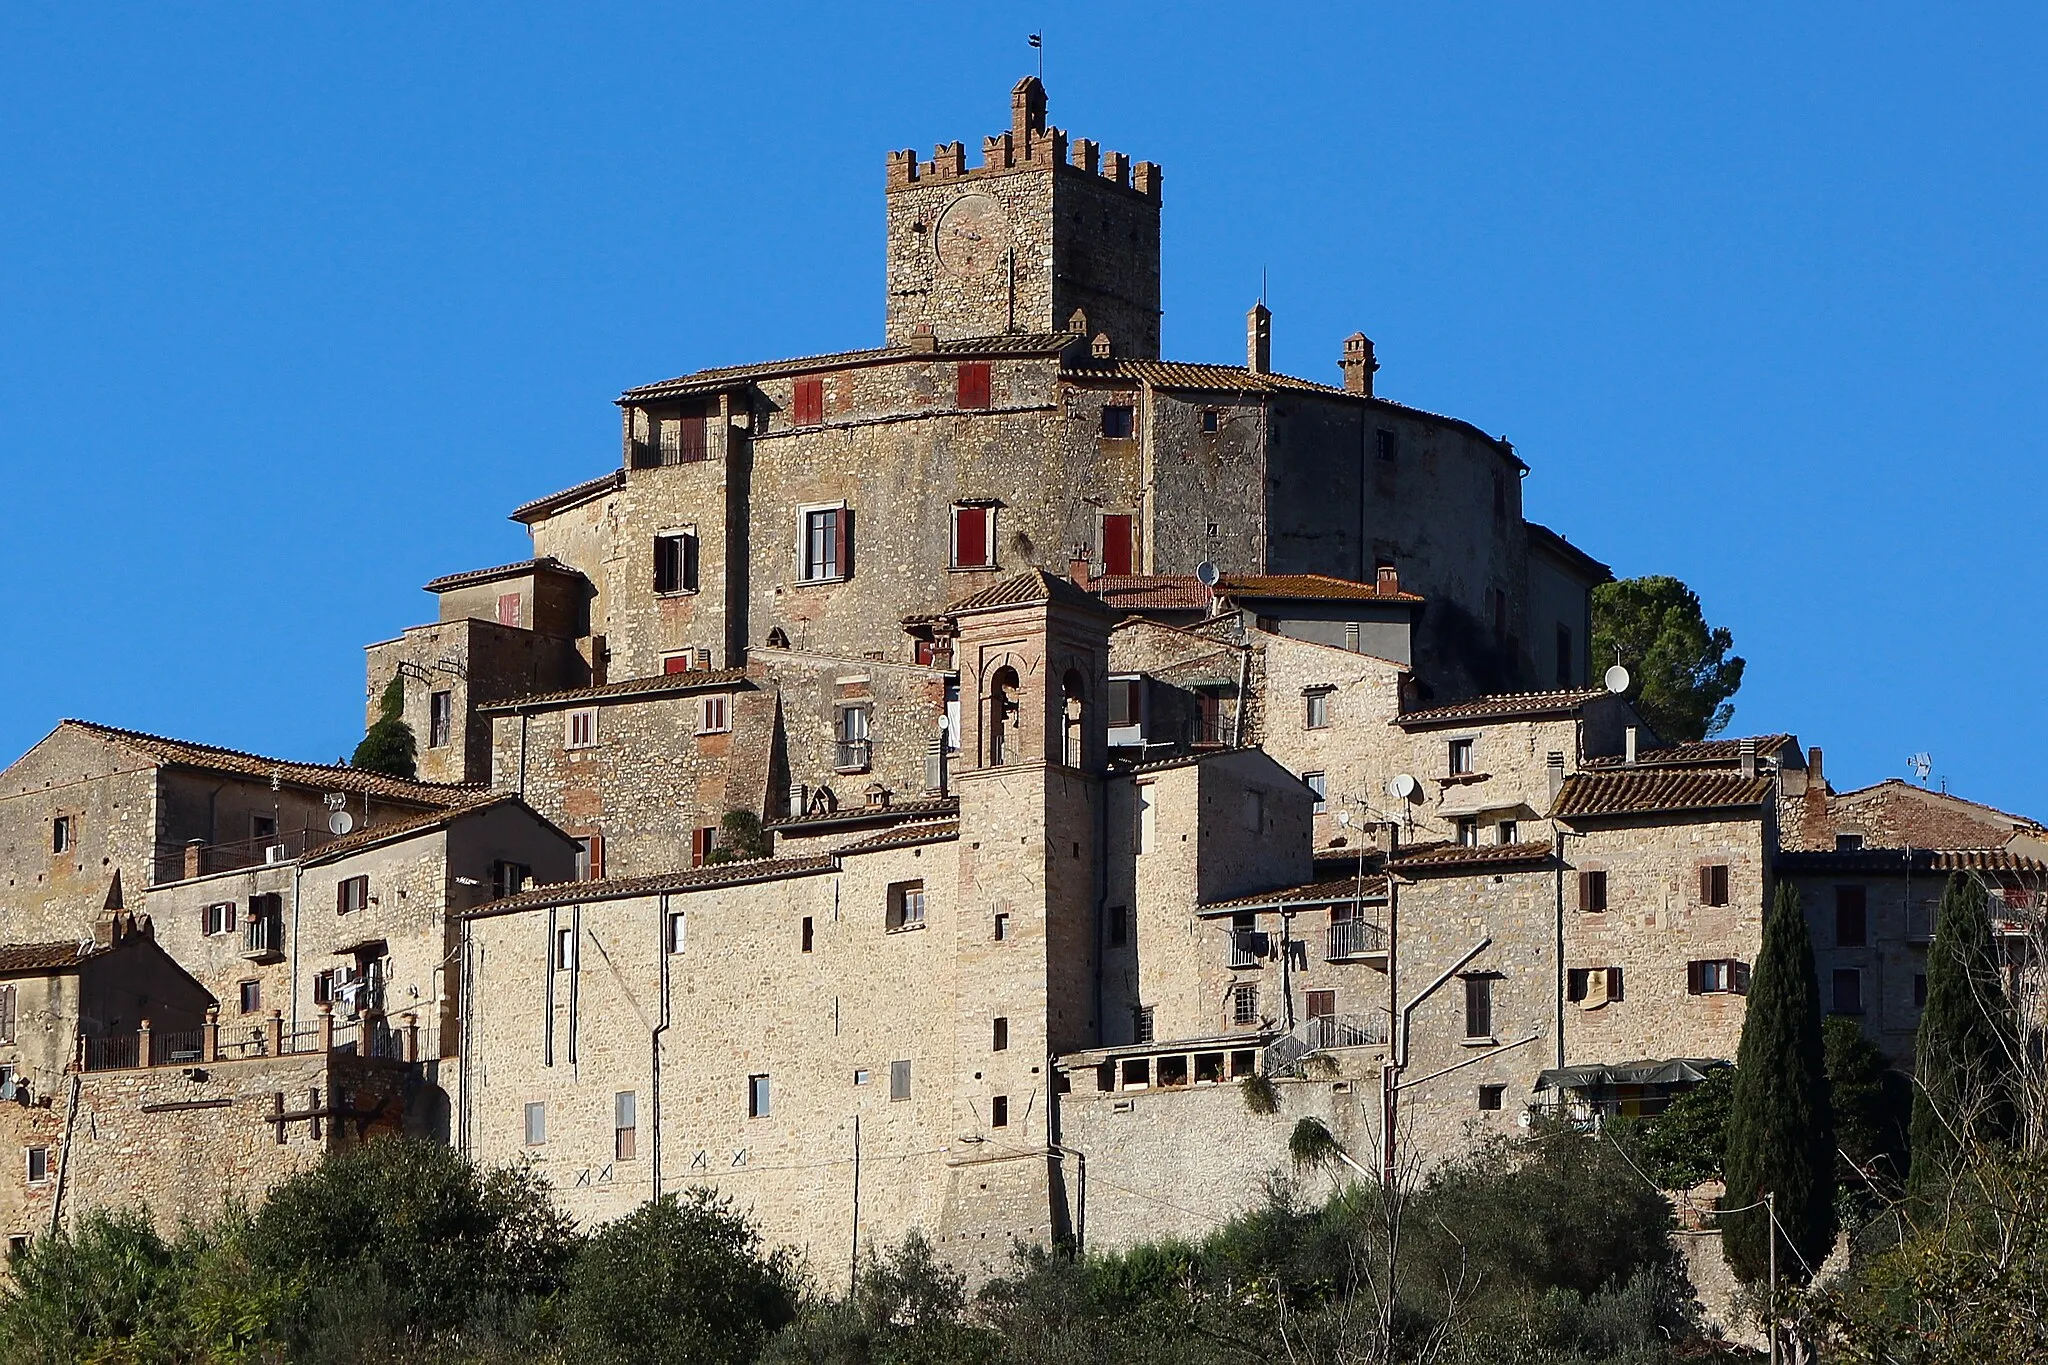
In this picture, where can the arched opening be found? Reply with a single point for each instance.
(1071, 730)
(1002, 714)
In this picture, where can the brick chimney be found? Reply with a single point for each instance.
(1388, 583)
(1258, 339)
(1358, 364)
(1078, 570)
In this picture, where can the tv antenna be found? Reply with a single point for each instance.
(1922, 764)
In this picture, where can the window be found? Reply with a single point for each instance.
(1322, 1004)
(1467, 829)
(999, 1034)
(589, 857)
(861, 1076)
(1714, 884)
(1002, 928)
(1717, 976)
(1315, 711)
(508, 879)
(351, 894)
(1505, 832)
(625, 1125)
(7, 1014)
(582, 728)
(1848, 843)
(1211, 419)
(681, 439)
(1592, 892)
(1319, 785)
(714, 715)
(1126, 702)
(702, 841)
(1244, 1003)
(999, 1112)
(565, 949)
(1919, 990)
(970, 387)
(1147, 822)
(1490, 1096)
(899, 1080)
(440, 719)
(1119, 543)
(854, 748)
(220, 918)
(974, 542)
(1388, 445)
(758, 1105)
(1565, 669)
(1461, 758)
(323, 988)
(536, 1124)
(807, 405)
(1848, 991)
(16, 1245)
(1142, 1024)
(678, 935)
(251, 994)
(1500, 614)
(906, 905)
(826, 552)
(38, 1165)
(1117, 423)
(63, 833)
(1478, 1007)
(1592, 987)
(1851, 922)
(675, 562)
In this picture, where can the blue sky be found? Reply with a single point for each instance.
(296, 305)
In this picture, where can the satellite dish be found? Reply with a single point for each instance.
(1401, 787)
(1616, 680)
(1207, 574)
(341, 822)
(8, 1089)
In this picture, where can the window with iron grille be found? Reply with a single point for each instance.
(1244, 1003)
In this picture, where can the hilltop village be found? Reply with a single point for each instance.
(916, 787)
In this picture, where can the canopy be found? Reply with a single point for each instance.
(1679, 1070)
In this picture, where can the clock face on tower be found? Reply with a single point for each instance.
(973, 234)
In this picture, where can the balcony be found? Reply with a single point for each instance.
(1345, 1030)
(197, 858)
(263, 939)
(1248, 947)
(852, 756)
(1354, 938)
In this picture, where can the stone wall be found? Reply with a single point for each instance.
(476, 662)
(109, 795)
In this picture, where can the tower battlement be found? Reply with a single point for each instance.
(1029, 144)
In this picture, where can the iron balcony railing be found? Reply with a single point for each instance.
(853, 755)
(1248, 947)
(263, 936)
(1345, 1030)
(1353, 938)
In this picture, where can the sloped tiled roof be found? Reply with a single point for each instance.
(545, 564)
(1897, 814)
(656, 684)
(45, 957)
(724, 376)
(1635, 792)
(625, 888)
(1326, 892)
(1888, 861)
(322, 776)
(1445, 857)
(1151, 592)
(1032, 585)
(1700, 753)
(903, 836)
(371, 835)
(1309, 587)
(1986, 860)
(1540, 535)
(540, 508)
(1503, 706)
(853, 815)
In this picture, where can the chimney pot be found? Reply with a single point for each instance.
(923, 339)
(1258, 340)
(1388, 583)
(1077, 571)
(1746, 756)
(1358, 364)
(1814, 776)
(1628, 739)
(1100, 346)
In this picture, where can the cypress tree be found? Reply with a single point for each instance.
(1960, 1054)
(388, 746)
(1781, 1131)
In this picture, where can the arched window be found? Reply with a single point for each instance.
(1002, 713)
(1071, 728)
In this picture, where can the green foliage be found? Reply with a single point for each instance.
(907, 1309)
(110, 1282)
(1688, 1142)
(1965, 1045)
(1781, 1133)
(1682, 675)
(678, 1280)
(1310, 1145)
(740, 836)
(1259, 1095)
(388, 746)
(1870, 1101)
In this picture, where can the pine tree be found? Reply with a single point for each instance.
(388, 746)
(1961, 1052)
(1781, 1132)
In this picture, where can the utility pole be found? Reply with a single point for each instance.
(1771, 1317)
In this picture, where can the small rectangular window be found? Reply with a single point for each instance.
(1319, 786)
(854, 749)
(440, 719)
(1211, 419)
(1714, 884)
(7, 1013)
(1118, 421)
(971, 385)
(1490, 1096)
(1467, 830)
(677, 937)
(1387, 444)
(974, 537)
(1848, 843)
(999, 1112)
(625, 1125)
(807, 406)
(999, 1034)
(702, 841)
(508, 878)
(1717, 976)
(1119, 543)
(323, 988)
(906, 905)
(1506, 832)
(1851, 917)
(1126, 702)
(1322, 1004)
(899, 1080)
(809, 935)
(1142, 1027)
(351, 894)
(1592, 891)
(38, 1165)
(714, 715)
(536, 1124)
(1461, 760)
(565, 949)
(675, 562)
(861, 1076)
(220, 918)
(251, 993)
(1002, 927)
(1316, 708)
(1848, 991)
(589, 857)
(758, 1103)
(1118, 925)
(826, 552)
(63, 833)
(1244, 1003)
(582, 728)
(1478, 1007)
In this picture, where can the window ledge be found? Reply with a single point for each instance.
(726, 730)
(677, 592)
(853, 772)
(904, 928)
(823, 582)
(1479, 1042)
(1462, 779)
(972, 568)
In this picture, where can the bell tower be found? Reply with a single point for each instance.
(1038, 231)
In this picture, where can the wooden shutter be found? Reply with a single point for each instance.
(1738, 977)
(971, 389)
(970, 537)
(693, 446)
(1116, 544)
(596, 856)
(665, 564)
(1614, 983)
(809, 403)
(687, 569)
(6, 1014)
(1695, 977)
(1706, 886)
(508, 609)
(842, 525)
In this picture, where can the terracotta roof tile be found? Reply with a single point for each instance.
(545, 564)
(1702, 753)
(1308, 587)
(1503, 706)
(1326, 892)
(903, 836)
(1672, 789)
(852, 815)
(625, 888)
(569, 497)
(1897, 814)
(724, 376)
(1032, 585)
(1151, 592)
(45, 957)
(320, 776)
(656, 684)
(1882, 861)
(1446, 856)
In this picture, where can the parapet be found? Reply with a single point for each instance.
(1029, 144)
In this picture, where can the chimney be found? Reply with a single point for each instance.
(1389, 581)
(1077, 570)
(923, 339)
(1258, 339)
(1386, 837)
(1746, 760)
(1814, 777)
(1628, 742)
(1358, 364)
(1553, 771)
(1100, 346)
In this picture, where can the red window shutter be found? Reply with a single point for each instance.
(693, 446)
(1585, 891)
(508, 609)
(1695, 977)
(1116, 543)
(699, 846)
(970, 537)
(843, 521)
(810, 402)
(972, 387)
(596, 856)
(676, 663)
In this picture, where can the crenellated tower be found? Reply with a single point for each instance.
(1040, 231)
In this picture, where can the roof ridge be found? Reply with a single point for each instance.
(143, 738)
